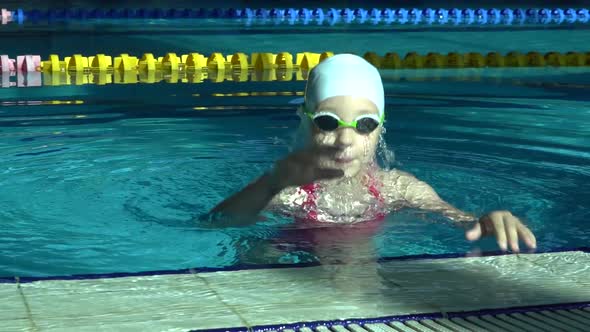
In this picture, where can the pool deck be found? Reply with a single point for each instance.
(276, 296)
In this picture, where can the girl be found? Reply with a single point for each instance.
(334, 179)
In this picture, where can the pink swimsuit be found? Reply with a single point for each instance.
(326, 232)
(310, 202)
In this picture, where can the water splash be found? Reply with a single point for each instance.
(385, 156)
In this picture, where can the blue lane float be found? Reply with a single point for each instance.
(330, 16)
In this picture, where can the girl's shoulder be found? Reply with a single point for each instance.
(393, 176)
(397, 176)
(394, 183)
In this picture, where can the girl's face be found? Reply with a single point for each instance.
(357, 150)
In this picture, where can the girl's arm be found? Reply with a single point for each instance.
(507, 228)
(298, 168)
(418, 194)
(243, 207)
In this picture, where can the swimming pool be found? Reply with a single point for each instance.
(108, 179)
(100, 179)
(112, 184)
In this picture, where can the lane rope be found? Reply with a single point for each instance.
(304, 16)
(196, 67)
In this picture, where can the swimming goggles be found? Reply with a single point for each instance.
(364, 124)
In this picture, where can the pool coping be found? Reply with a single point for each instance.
(240, 267)
(403, 318)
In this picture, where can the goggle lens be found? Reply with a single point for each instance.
(364, 125)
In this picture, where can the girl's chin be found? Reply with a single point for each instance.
(351, 170)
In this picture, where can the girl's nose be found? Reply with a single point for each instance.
(345, 136)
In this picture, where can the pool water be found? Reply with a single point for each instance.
(104, 179)
(111, 178)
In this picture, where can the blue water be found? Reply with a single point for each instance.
(101, 179)
(113, 184)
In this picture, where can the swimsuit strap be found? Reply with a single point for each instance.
(310, 190)
(374, 188)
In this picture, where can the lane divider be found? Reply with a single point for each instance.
(170, 62)
(440, 16)
(38, 79)
(195, 67)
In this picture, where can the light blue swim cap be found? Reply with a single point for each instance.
(344, 75)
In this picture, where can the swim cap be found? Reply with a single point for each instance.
(344, 75)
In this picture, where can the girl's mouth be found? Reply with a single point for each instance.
(343, 160)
